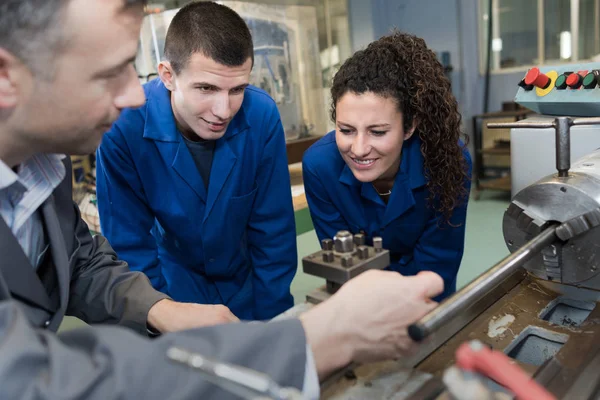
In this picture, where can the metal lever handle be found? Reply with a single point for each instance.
(562, 126)
(543, 124)
(475, 290)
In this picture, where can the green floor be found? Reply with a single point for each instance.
(484, 244)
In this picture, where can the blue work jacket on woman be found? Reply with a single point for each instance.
(233, 244)
(410, 228)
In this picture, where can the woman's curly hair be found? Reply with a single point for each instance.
(400, 66)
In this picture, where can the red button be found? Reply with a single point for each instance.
(537, 78)
(574, 81)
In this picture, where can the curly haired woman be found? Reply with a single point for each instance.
(395, 166)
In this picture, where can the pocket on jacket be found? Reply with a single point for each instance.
(240, 206)
(238, 214)
(231, 247)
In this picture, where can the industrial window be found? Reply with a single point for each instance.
(537, 32)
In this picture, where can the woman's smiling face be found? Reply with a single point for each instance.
(370, 134)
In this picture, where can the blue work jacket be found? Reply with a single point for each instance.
(233, 244)
(410, 228)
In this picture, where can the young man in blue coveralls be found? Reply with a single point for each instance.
(193, 187)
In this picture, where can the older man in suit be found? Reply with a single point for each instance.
(65, 73)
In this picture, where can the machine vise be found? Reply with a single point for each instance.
(341, 259)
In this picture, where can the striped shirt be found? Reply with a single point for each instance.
(21, 195)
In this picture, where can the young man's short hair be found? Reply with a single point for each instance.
(214, 30)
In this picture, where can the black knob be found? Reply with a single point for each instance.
(524, 85)
(417, 332)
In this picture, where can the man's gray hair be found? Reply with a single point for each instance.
(32, 30)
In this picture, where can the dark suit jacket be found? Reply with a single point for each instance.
(81, 276)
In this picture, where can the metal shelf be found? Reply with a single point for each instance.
(482, 167)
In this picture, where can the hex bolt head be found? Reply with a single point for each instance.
(328, 256)
(347, 260)
(343, 242)
(359, 239)
(327, 244)
(363, 252)
(378, 244)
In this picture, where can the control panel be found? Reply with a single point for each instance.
(572, 90)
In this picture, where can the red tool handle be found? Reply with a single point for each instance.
(476, 357)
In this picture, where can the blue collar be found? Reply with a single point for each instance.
(411, 167)
(160, 122)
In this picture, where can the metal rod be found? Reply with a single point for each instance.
(543, 124)
(522, 124)
(586, 121)
(478, 288)
(563, 146)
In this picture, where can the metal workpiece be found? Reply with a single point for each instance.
(343, 242)
(479, 287)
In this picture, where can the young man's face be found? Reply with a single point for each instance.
(93, 80)
(206, 95)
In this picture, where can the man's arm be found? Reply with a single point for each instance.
(111, 362)
(271, 228)
(103, 289)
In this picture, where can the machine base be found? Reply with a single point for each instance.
(564, 357)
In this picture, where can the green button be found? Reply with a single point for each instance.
(561, 82)
(589, 80)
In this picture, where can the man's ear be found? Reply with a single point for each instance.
(11, 71)
(408, 134)
(167, 75)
